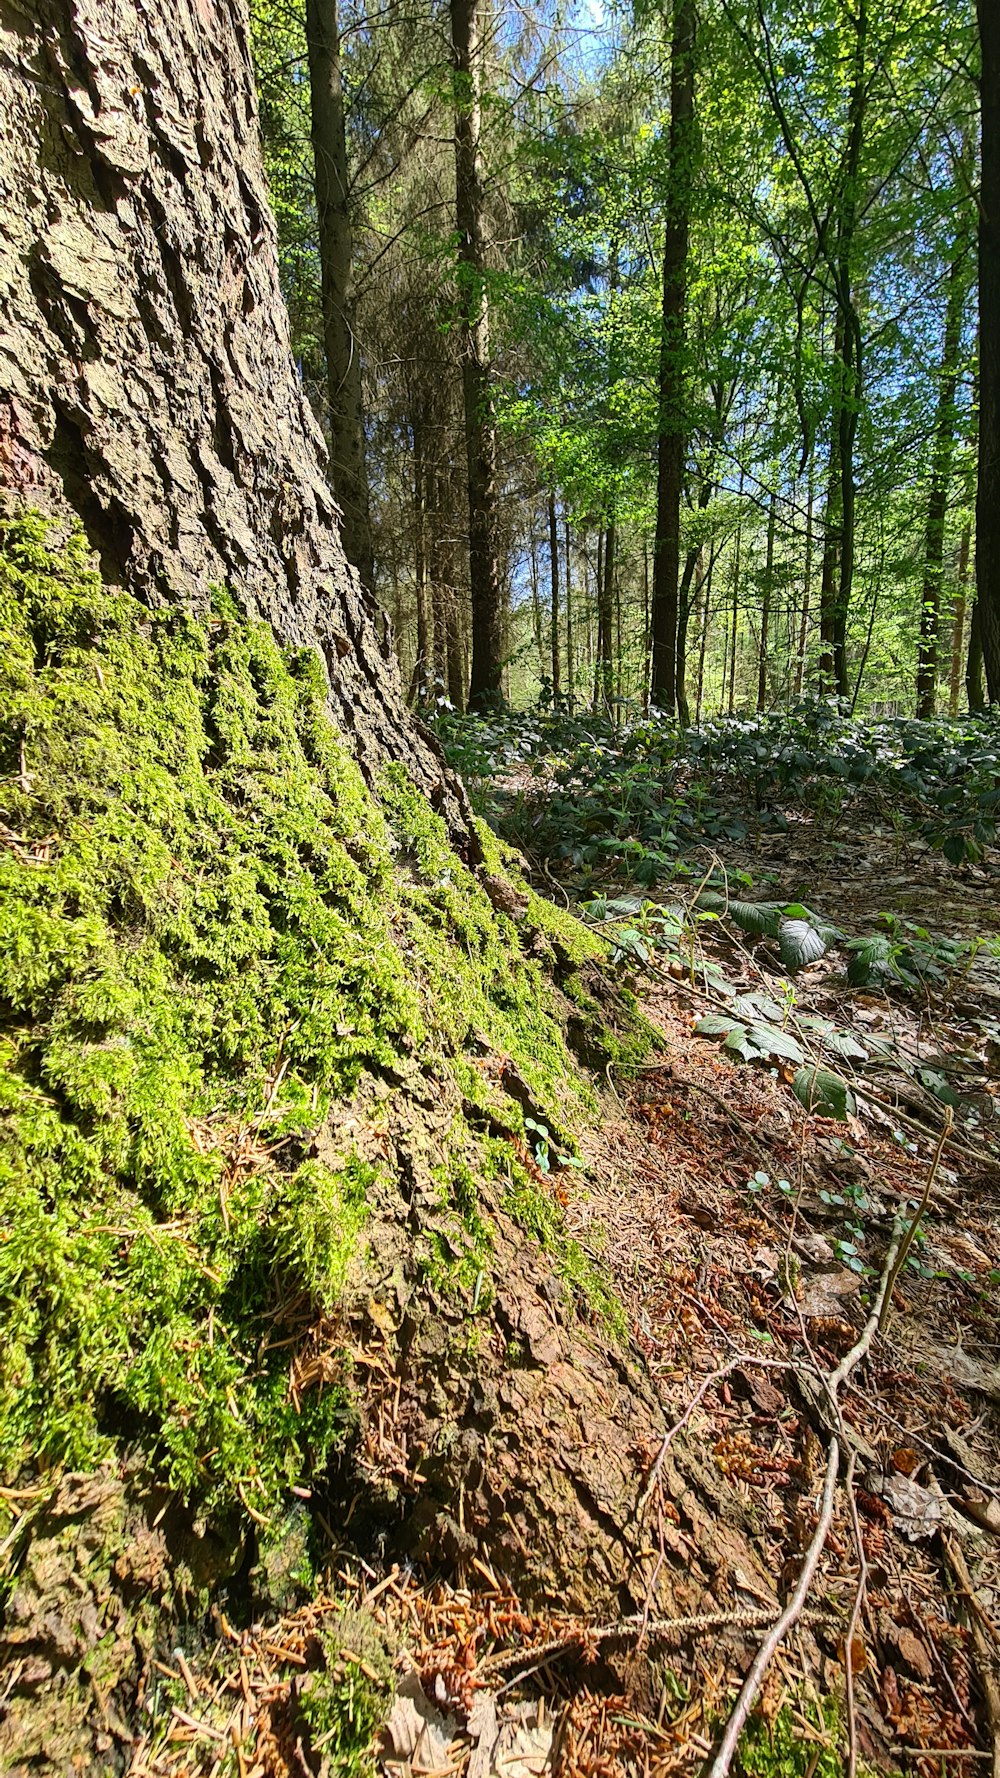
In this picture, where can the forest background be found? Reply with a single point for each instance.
(646, 341)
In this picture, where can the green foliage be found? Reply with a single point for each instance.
(779, 1749)
(824, 1093)
(210, 930)
(345, 1702)
(631, 801)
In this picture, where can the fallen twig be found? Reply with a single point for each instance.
(984, 1653)
(907, 1240)
(793, 1611)
(789, 1617)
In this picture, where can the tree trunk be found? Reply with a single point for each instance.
(486, 688)
(703, 639)
(554, 603)
(736, 599)
(958, 620)
(800, 658)
(420, 683)
(765, 608)
(833, 526)
(685, 603)
(348, 472)
(988, 493)
(570, 661)
(604, 666)
(975, 684)
(672, 423)
(937, 504)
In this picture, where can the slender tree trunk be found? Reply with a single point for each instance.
(685, 604)
(486, 689)
(703, 639)
(800, 659)
(937, 505)
(736, 597)
(420, 683)
(672, 425)
(833, 526)
(647, 639)
(554, 601)
(988, 494)
(570, 660)
(438, 517)
(604, 680)
(536, 615)
(851, 369)
(348, 472)
(958, 620)
(975, 685)
(765, 608)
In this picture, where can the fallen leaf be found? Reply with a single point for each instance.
(916, 1512)
(414, 1730)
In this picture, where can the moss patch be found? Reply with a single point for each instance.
(210, 931)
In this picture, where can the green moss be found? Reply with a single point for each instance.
(536, 1210)
(345, 1703)
(463, 949)
(781, 1749)
(210, 931)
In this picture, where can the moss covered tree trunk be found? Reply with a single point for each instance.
(274, 1008)
(146, 379)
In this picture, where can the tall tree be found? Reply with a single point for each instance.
(672, 425)
(348, 471)
(486, 686)
(987, 611)
(937, 505)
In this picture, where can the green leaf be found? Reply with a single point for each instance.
(738, 1044)
(871, 960)
(799, 944)
(772, 1042)
(843, 1044)
(715, 1024)
(938, 1085)
(761, 919)
(824, 1093)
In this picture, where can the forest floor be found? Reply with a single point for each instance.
(746, 1238)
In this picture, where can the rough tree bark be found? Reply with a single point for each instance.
(486, 688)
(672, 426)
(348, 471)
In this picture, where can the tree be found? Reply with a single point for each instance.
(987, 613)
(348, 471)
(944, 442)
(486, 689)
(671, 429)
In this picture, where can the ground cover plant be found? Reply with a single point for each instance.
(589, 795)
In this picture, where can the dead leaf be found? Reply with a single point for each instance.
(906, 1460)
(484, 1730)
(415, 1731)
(916, 1512)
(524, 1748)
(823, 1293)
